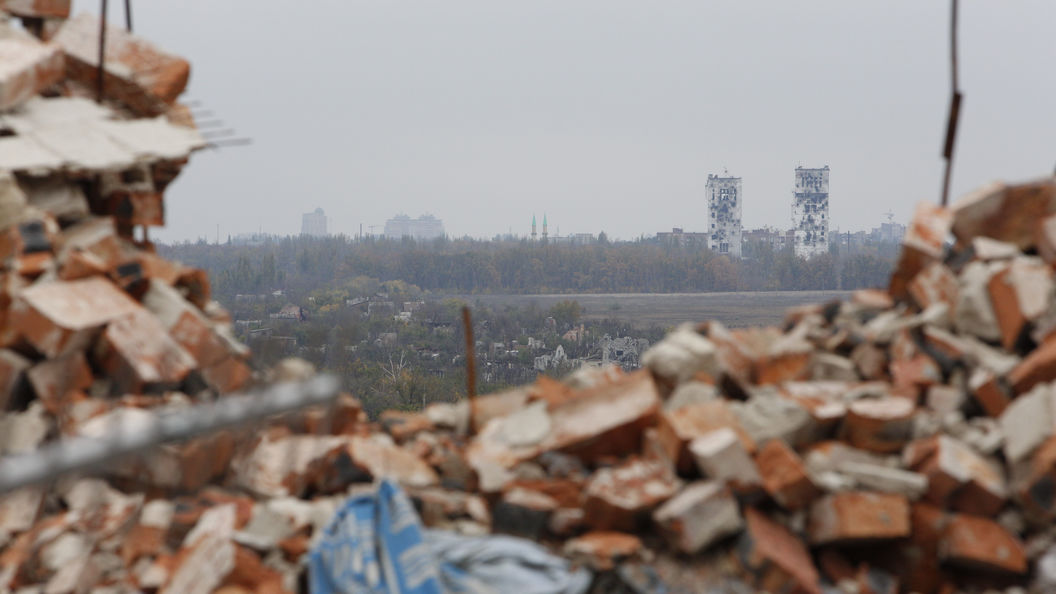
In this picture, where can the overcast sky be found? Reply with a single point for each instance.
(605, 114)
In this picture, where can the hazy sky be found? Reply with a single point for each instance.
(605, 114)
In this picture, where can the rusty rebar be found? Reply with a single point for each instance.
(128, 15)
(102, 51)
(471, 361)
(955, 106)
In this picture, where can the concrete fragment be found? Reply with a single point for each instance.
(974, 314)
(688, 393)
(784, 476)
(827, 366)
(280, 467)
(207, 555)
(698, 516)
(621, 497)
(23, 432)
(885, 479)
(858, 516)
(681, 355)
(720, 455)
(766, 415)
(1027, 422)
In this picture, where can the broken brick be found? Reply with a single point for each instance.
(784, 476)
(54, 379)
(721, 455)
(621, 498)
(774, 558)
(976, 542)
(879, 424)
(1002, 212)
(853, 516)
(137, 73)
(678, 428)
(29, 65)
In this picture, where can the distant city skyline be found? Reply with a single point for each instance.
(607, 115)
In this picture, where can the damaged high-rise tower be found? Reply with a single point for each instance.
(724, 215)
(810, 211)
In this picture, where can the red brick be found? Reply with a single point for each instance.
(137, 352)
(916, 374)
(29, 67)
(921, 245)
(1037, 494)
(934, 284)
(54, 379)
(1037, 367)
(138, 74)
(881, 425)
(872, 299)
(858, 516)
(774, 558)
(12, 377)
(622, 497)
(784, 476)
(63, 316)
(678, 428)
(988, 392)
(1005, 213)
(229, 375)
(976, 542)
(1019, 294)
(958, 477)
(37, 8)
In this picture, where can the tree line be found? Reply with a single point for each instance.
(301, 265)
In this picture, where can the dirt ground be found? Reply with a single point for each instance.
(669, 309)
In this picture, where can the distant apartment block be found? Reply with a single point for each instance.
(424, 227)
(314, 223)
(724, 215)
(681, 238)
(776, 238)
(810, 211)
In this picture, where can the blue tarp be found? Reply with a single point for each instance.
(375, 544)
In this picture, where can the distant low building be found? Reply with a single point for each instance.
(291, 312)
(678, 237)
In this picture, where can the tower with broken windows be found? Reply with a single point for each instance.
(724, 215)
(810, 211)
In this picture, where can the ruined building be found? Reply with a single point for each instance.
(810, 211)
(724, 215)
(314, 223)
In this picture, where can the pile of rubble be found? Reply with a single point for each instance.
(904, 440)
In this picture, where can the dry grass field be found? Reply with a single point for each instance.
(669, 309)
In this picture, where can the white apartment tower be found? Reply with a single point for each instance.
(724, 215)
(314, 223)
(810, 211)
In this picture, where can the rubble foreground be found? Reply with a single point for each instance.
(901, 441)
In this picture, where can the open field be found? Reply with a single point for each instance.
(668, 309)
